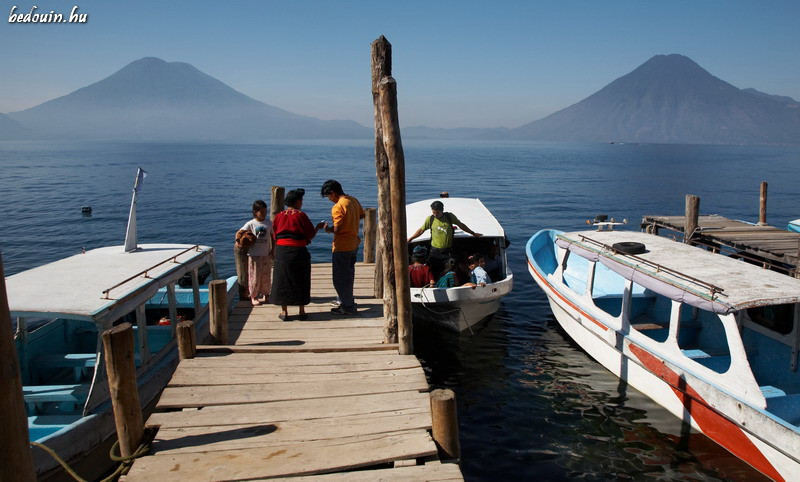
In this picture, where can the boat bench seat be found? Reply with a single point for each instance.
(65, 360)
(56, 393)
(786, 407)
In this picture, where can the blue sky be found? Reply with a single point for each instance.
(457, 63)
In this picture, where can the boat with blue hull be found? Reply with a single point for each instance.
(712, 339)
(60, 310)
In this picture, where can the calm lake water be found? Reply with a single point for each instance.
(531, 403)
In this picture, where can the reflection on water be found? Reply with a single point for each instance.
(531, 404)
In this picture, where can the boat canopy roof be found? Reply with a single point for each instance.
(700, 278)
(75, 287)
(469, 211)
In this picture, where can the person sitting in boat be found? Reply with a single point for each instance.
(419, 273)
(441, 225)
(494, 264)
(478, 275)
(449, 279)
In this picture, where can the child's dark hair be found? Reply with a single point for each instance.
(259, 205)
(475, 258)
(450, 265)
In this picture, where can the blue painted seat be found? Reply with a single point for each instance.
(65, 360)
(56, 393)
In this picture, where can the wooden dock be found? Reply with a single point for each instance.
(322, 399)
(768, 245)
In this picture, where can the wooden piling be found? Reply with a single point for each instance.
(384, 288)
(276, 201)
(370, 230)
(393, 145)
(218, 311)
(15, 454)
(691, 216)
(444, 420)
(187, 341)
(762, 205)
(121, 370)
(242, 272)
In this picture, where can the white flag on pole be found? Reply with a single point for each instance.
(140, 175)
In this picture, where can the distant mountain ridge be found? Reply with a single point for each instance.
(671, 99)
(668, 99)
(151, 99)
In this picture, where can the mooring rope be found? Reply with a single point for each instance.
(122, 469)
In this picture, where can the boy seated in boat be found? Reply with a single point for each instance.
(478, 275)
(419, 273)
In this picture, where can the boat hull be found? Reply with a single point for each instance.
(459, 309)
(746, 432)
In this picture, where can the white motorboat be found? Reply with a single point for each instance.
(461, 307)
(712, 339)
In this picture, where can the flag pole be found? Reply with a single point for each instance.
(130, 234)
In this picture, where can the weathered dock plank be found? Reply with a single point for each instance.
(310, 457)
(431, 471)
(298, 398)
(309, 409)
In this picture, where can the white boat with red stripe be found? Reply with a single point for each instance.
(712, 339)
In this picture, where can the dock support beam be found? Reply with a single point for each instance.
(384, 286)
(187, 341)
(15, 453)
(218, 311)
(121, 370)
(445, 424)
(692, 214)
(370, 231)
(762, 205)
(276, 201)
(392, 144)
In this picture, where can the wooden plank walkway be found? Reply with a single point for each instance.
(316, 399)
(763, 242)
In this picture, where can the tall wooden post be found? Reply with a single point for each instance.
(444, 424)
(387, 89)
(382, 67)
(276, 201)
(691, 216)
(121, 370)
(370, 230)
(15, 452)
(762, 205)
(218, 311)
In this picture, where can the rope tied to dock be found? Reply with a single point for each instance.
(122, 469)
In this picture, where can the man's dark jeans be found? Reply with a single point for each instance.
(344, 274)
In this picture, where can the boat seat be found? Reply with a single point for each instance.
(79, 362)
(769, 391)
(786, 407)
(65, 360)
(56, 393)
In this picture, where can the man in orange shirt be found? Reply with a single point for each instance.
(346, 214)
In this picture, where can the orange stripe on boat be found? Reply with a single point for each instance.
(565, 300)
(714, 425)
